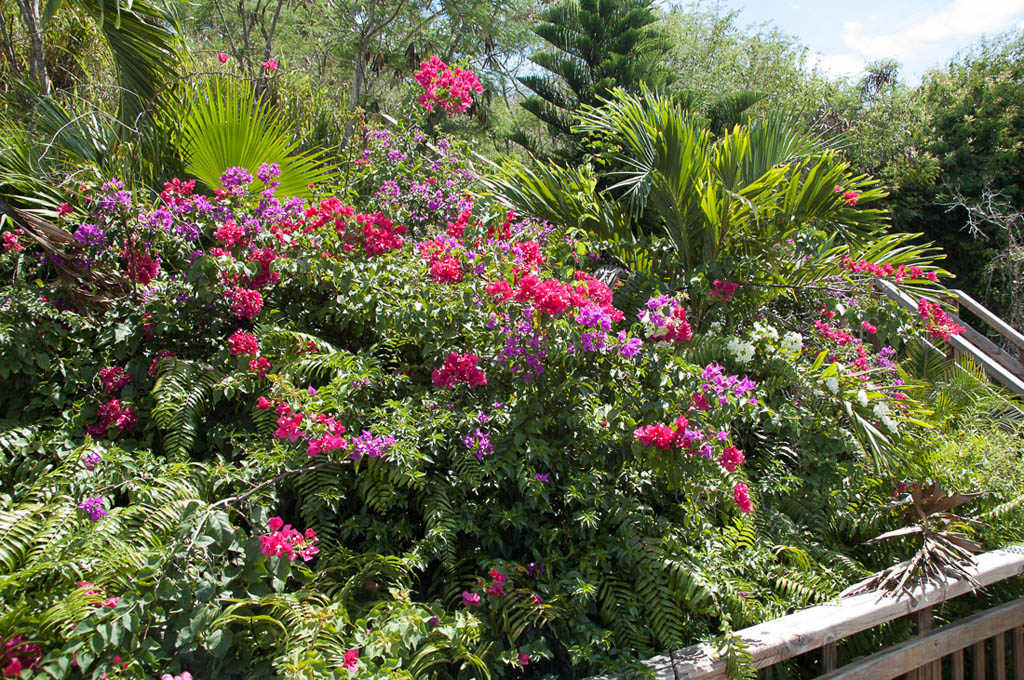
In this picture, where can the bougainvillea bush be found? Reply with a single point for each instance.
(399, 430)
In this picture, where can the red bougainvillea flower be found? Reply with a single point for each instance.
(448, 88)
(222, 58)
(244, 343)
(63, 209)
(351, 660)
(269, 65)
(261, 365)
(741, 495)
(284, 541)
(11, 241)
(245, 303)
(731, 458)
(459, 368)
(869, 327)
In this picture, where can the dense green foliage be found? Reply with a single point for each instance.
(528, 419)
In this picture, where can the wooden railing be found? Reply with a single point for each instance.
(977, 643)
(1001, 366)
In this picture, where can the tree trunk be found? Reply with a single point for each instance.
(37, 57)
(363, 52)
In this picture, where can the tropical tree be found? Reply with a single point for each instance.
(598, 45)
(715, 200)
(142, 36)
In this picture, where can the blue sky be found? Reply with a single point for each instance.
(920, 34)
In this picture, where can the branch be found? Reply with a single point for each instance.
(274, 480)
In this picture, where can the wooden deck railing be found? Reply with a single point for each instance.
(977, 643)
(1001, 366)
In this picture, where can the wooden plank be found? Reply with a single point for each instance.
(957, 665)
(1018, 641)
(809, 629)
(992, 350)
(829, 657)
(923, 625)
(979, 661)
(1018, 652)
(999, 655)
(979, 310)
(920, 651)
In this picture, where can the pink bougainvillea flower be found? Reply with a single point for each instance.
(731, 458)
(470, 599)
(243, 343)
(269, 65)
(351, 660)
(524, 658)
(284, 541)
(63, 209)
(222, 58)
(869, 327)
(741, 495)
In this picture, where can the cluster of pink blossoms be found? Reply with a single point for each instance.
(245, 303)
(140, 266)
(850, 197)
(284, 541)
(554, 297)
(741, 495)
(331, 440)
(17, 656)
(723, 290)
(114, 378)
(496, 588)
(899, 274)
(11, 241)
(938, 324)
(440, 253)
(230, 234)
(459, 368)
(826, 331)
(448, 88)
(244, 343)
(112, 413)
(185, 674)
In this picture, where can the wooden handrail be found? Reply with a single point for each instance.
(995, 369)
(925, 649)
(983, 313)
(804, 631)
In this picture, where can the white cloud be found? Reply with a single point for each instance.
(920, 40)
(959, 20)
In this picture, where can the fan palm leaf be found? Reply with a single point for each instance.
(226, 125)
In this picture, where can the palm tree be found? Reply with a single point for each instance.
(712, 198)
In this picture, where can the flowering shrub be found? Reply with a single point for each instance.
(448, 88)
(503, 454)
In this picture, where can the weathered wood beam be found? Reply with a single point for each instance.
(921, 651)
(804, 631)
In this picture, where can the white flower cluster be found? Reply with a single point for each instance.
(862, 398)
(792, 342)
(741, 350)
(764, 331)
(881, 412)
(832, 383)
